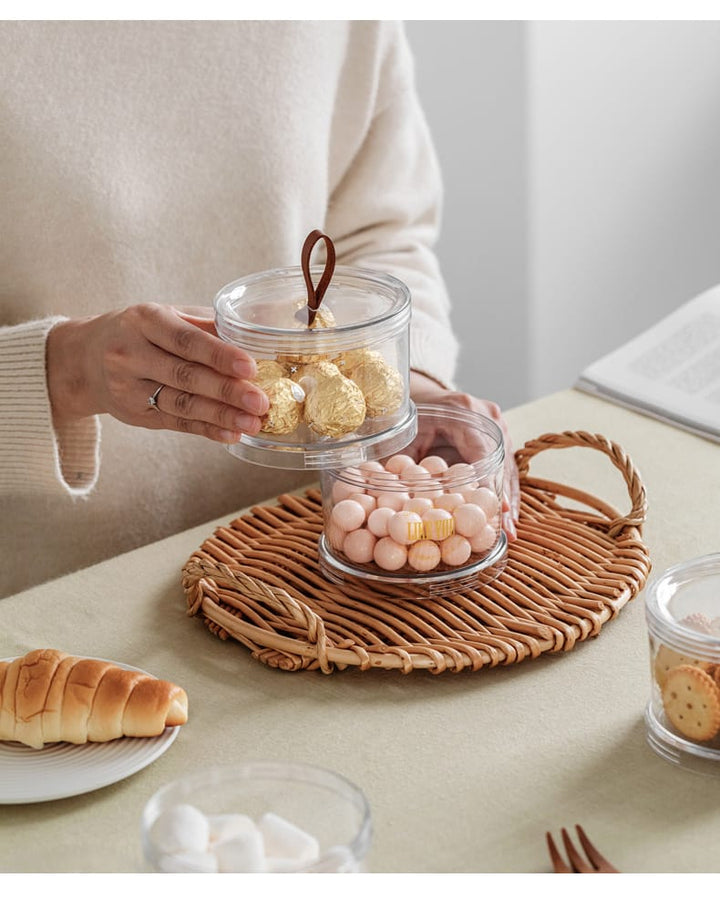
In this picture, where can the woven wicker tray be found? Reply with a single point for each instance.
(570, 571)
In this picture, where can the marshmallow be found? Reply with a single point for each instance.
(283, 840)
(242, 853)
(226, 826)
(181, 828)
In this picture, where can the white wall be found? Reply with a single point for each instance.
(471, 79)
(582, 171)
(624, 163)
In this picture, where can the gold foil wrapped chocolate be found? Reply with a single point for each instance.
(321, 369)
(380, 383)
(324, 317)
(286, 406)
(334, 405)
(269, 370)
(349, 359)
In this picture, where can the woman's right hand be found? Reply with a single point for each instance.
(114, 362)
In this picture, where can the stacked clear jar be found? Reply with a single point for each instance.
(339, 391)
(683, 619)
(427, 518)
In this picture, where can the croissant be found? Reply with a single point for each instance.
(50, 696)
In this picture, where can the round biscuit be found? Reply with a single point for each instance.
(692, 702)
(667, 659)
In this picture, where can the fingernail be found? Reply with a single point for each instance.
(245, 368)
(255, 401)
(228, 436)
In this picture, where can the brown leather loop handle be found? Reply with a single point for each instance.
(620, 459)
(315, 294)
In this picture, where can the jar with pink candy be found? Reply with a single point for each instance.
(428, 518)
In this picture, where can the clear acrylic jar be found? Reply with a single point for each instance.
(682, 609)
(340, 391)
(260, 816)
(428, 519)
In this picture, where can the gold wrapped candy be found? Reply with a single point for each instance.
(380, 383)
(269, 370)
(324, 317)
(349, 359)
(321, 369)
(286, 406)
(334, 406)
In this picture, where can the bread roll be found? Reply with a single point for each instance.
(49, 696)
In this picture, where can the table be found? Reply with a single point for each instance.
(464, 772)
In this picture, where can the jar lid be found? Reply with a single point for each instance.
(682, 607)
(256, 312)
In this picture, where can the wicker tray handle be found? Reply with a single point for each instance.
(636, 515)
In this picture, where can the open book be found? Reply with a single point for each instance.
(671, 371)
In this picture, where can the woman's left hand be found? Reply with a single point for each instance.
(425, 390)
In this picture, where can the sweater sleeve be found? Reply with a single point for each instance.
(33, 457)
(384, 213)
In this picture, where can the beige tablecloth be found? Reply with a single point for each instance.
(463, 772)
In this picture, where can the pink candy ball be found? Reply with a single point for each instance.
(378, 521)
(438, 523)
(359, 545)
(395, 500)
(434, 464)
(419, 505)
(484, 540)
(370, 467)
(348, 515)
(486, 499)
(455, 550)
(449, 501)
(424, 555)
(469, 519)
(378, 483)
(460, 474)
(414, 474)
(405, 527)
(362, 498)
(397, 463)
(389, 554)
(350, 482)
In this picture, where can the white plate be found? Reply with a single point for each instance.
(61, 770)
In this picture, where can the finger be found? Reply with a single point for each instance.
(204, 322)
(196, 379)
(173, 402)
(166, 328)
(508, 521)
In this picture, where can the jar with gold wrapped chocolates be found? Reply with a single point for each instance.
(427, 519)
(337, 377)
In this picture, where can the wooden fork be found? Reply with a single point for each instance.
(597, 864)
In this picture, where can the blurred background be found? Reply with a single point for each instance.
(581, 163)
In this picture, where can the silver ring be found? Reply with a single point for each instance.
(152, 400)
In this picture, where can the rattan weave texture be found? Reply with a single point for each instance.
(576, 563)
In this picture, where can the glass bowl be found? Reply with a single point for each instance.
(257, 816)
(426, 519)
(682, 610)
(339, 392)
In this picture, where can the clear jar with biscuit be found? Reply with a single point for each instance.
(339, 390)
(683, 618)
(426, 520)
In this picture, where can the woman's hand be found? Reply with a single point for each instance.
(113, 363)
(424, 390)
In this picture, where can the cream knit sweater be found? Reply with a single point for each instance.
(159, 161)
